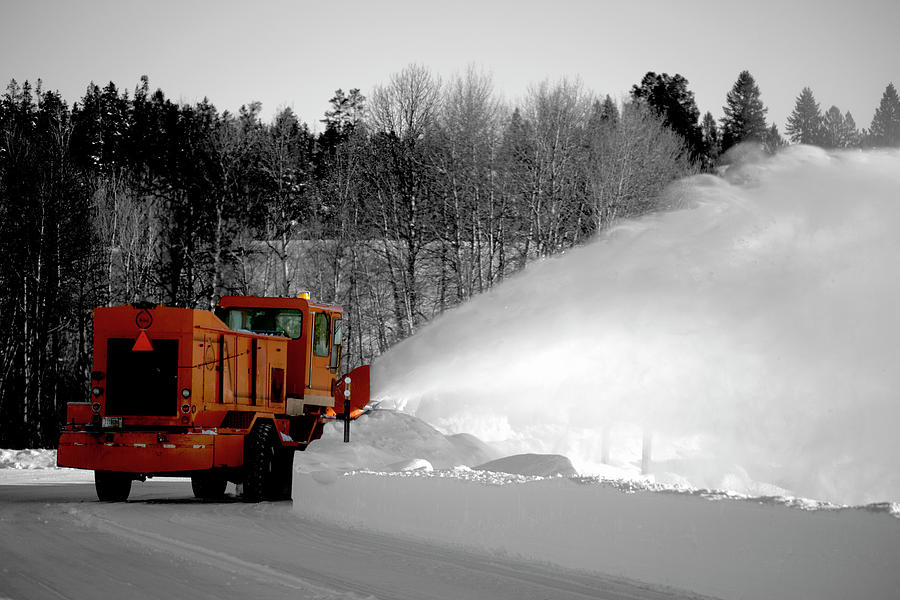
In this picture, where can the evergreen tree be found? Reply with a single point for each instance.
(832, 128)
(670, 97)
(805, 125)
(745, 115)
(345, 116)
(609, 112)
(851, 133)
(101, 124)
(885, 128)
(772, 140)
(603, 117)
(712, 143)
(839, 131)
(346, 110)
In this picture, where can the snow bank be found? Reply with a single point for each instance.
(715, 543)
(546, 465)
(752, 333)
(733, 549)
(386, 440)
(26, 467)
(27, 459)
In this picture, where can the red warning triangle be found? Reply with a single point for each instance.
(142, 343)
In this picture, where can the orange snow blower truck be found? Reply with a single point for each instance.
(215, 397)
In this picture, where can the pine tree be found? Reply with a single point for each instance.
(711, 140)
(850, 133)
(805, 124)
(609, 111)
(772, 140)
(885, 128)
(670, 97)
(745, 115)
(839, 131)
(100, 127)
(346, 111)
(603, 117)
(832, 128)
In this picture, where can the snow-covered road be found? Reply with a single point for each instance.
(57, 541)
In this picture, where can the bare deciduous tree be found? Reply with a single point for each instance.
(631, 164)
(403, 117)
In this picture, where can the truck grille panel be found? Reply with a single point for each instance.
(143, 383)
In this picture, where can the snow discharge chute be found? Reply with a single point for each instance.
(753, 332)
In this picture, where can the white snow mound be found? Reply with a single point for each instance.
(541, 465)
(27, 459)
(386, 440)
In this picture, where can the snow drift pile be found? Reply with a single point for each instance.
(27, 459)
(752, 331)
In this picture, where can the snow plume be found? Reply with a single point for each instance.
(754, 331)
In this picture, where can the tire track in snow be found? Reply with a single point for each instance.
(214, 558)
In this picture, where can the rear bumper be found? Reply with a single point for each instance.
(145, 452)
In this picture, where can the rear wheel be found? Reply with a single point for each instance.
(208, 486)
(259, 463)
(112, 486)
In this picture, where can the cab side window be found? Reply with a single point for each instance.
(236, 319)
(320, 335)
(336, 341)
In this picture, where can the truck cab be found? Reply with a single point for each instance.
(314, 342)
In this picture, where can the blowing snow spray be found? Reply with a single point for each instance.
(753, 332)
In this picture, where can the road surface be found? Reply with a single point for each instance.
(58, 542)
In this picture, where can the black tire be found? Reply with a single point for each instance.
(112, 486)
(208, 486)
(259, 463)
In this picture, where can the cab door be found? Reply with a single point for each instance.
(320, 377)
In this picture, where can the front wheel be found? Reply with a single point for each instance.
(259, 462)
(112, 486)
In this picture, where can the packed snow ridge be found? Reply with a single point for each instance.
(390, 443)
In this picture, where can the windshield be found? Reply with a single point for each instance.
(269, 321)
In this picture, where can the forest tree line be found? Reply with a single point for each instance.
(408, 202)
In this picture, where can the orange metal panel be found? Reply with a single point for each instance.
(78, 413)
(359, 390)
(229, 451)
(136, 452)
(243, 363)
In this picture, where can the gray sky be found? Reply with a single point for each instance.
(296, 53)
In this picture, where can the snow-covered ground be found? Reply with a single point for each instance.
(403, 478)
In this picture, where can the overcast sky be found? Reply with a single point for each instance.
(296, 53)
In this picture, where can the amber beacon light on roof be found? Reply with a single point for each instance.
(217, 397)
